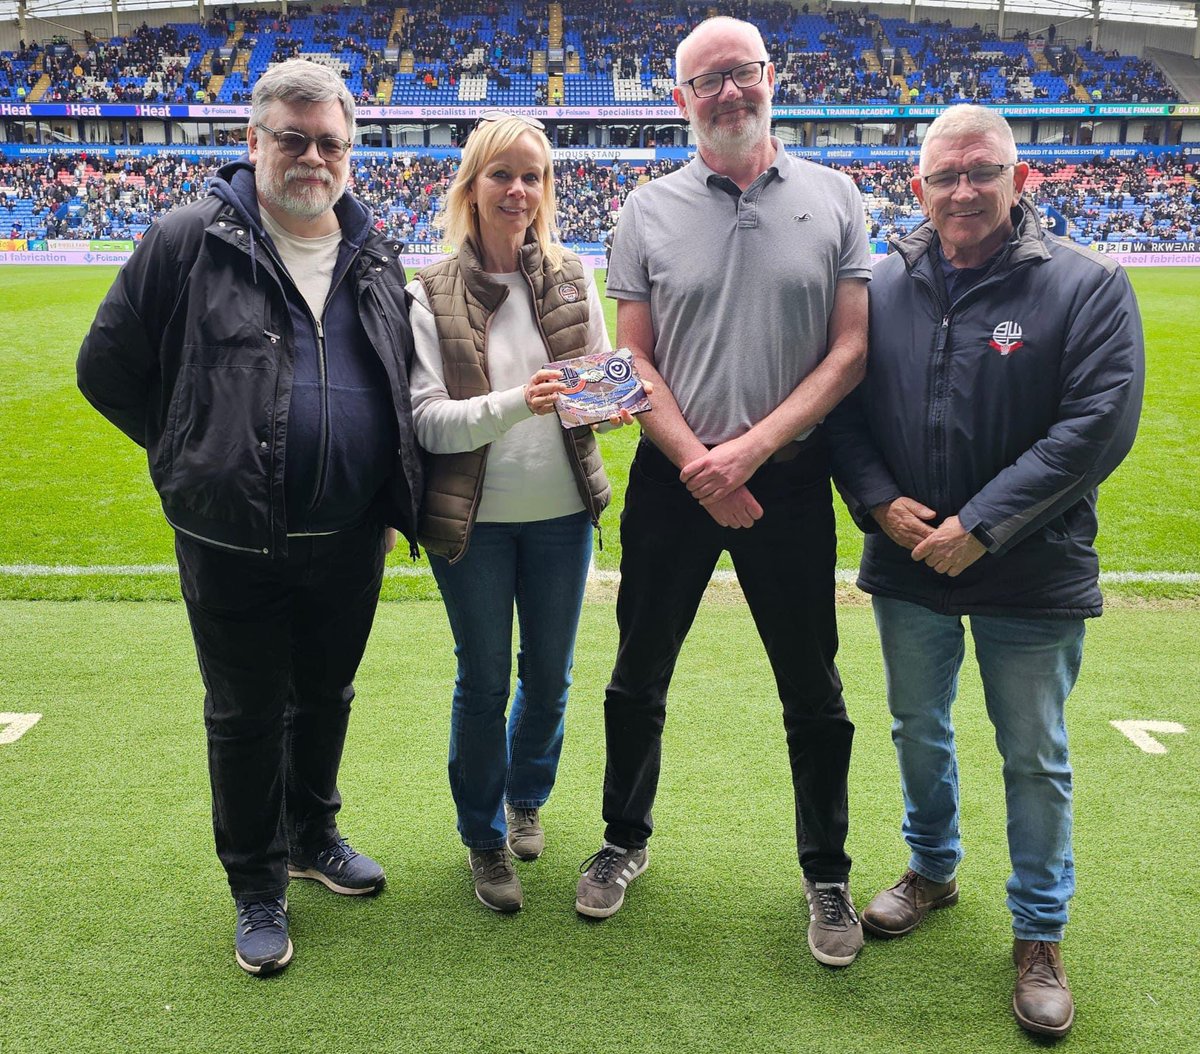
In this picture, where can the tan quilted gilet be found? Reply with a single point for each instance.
(463, 299)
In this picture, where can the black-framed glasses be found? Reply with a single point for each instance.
(295, 144)
(979, 176)
(502, 115)
(706, 85)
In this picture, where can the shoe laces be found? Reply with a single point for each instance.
(523, 817)
(603, 862)
(496, 864)
(338, 853)
(1040, 954)
(835, 905)
(260, 914)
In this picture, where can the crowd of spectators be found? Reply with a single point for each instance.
(829, 76)
(1096, 198)
(1112, 76)
(149, 65)
(630, 38)
(74, 196)
(459, 38)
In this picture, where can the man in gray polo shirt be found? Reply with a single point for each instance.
(741, 289)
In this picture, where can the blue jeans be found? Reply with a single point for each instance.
(1029, 667)
(541, 568)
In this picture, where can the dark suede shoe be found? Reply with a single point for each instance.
(899, 910)
(526, 838)
(1042, 999)
(496, 882)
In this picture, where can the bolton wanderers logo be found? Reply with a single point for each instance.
(573, 381)
(568, 292)
(1006, 337)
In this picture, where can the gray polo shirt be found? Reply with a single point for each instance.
(740, 284)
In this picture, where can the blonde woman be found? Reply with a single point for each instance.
(511, 497)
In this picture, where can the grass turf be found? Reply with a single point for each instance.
(114, 924)
(76, 491)
(116, 929)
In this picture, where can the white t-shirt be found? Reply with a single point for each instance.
(310, 261)
(528, 476)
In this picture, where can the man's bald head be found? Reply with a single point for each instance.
(720, 26)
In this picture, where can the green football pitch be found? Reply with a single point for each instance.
(76, 497)
(116, 927)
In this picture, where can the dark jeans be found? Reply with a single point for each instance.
(278, 642)
(785, 563)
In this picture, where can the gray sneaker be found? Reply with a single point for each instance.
(526, 838)
(606, 876)
(496, 882)
(835, 935)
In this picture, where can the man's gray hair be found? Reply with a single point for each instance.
(300, 81)
(966, 119)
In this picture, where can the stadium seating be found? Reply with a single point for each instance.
(614, 52)
(69, 195)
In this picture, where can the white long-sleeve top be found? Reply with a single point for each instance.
(527, 476)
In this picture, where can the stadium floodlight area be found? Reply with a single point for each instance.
(1153, 12)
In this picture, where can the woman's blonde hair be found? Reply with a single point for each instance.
(460, 221)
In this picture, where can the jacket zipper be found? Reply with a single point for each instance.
(323, 374)
(213, 541)
(939, 466)
(323, 442)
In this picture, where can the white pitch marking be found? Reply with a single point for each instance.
(1138, 732)
(14, 726)
(1139, 577)
(421, 571)
(77, 570)
(134, 570)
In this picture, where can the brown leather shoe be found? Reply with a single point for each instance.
(1042, 999)
(899, 910)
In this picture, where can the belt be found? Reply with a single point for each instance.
(788, 452)
(791, 451)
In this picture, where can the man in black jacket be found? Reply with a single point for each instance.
(1003, 384)
(256, 345)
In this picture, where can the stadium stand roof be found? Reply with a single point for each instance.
(1157, 12)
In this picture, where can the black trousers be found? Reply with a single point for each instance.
(785, 565)
(278, 642)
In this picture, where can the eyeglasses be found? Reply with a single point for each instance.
(295, 144)
(707, 85)
(504, 115)
(979, 176)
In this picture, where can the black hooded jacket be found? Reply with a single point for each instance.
(259, 420)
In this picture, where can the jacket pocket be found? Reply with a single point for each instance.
(218, 441)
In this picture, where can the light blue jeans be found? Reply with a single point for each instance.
(1029, 667)
(541, 568)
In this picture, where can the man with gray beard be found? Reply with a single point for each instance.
(740, 283)
(256, 345)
